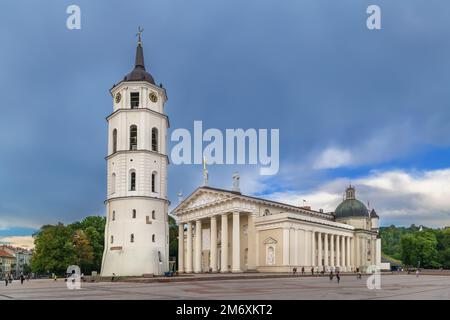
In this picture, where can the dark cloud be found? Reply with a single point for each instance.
(310, 68)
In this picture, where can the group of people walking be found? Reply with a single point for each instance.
(333, 273)
(9, 279)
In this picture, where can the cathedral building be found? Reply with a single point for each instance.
(136, 232)
(227, 231)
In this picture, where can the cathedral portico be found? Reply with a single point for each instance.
(215, 241)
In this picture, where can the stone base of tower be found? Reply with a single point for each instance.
(133, 262)
(137, 244)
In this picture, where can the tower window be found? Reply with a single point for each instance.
(155, 139)
(154, 182)
(113, 183)
(133, 137)
(134, 213)
(153, 238)
(132, 237)
(112, 239)
(113, 216)
(153, 215)
(114, 138)
(134, 99)
(132, 181)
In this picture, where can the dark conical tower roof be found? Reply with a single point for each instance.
(139, 73)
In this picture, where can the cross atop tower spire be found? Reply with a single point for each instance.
(139, 73)
(139, 34)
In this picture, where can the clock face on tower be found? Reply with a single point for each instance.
(153, 97)
(118, 97)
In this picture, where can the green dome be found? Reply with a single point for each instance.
(351, 208)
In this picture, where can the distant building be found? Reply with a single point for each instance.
(21, 257)
(223, 231)
(7, 263)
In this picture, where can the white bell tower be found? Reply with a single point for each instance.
(136, 232)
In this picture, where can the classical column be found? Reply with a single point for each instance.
(251, 245)
(357, 263)
(326, 254)
(319, 250)
(296, 246)
(286, 250)
(213, 255)
(181, 248)
(343, 252)
(313, 249)
(189, 248)
(304, 249)
(224, 244)
(348, 253)
(236, 263)
(352, 245)
(332, 250)
(198, 247)
(338, 251)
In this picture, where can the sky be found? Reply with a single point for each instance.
(370, 107)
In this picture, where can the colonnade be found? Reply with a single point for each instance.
(190, 260)
(332, 250)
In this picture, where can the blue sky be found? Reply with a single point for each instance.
(372, 107)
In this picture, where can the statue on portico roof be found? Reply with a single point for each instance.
(205, 173)
(236, 178)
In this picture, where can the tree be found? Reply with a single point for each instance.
(426, 250)
(443, 247)
(408, 252)
(59, 246)
(419, 249)
(94, 228)
(26, 269)
(83, 250)
(173, 238)
(54, 250)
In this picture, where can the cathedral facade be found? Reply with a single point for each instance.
(226, 231)
(136, 232)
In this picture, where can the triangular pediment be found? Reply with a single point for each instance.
(270, 240)
(202, 197)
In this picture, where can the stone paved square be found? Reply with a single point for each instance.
(393, 287)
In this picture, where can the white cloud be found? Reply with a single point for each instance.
(400, 197)
(383, 144)
(26, 242)
(332, 158)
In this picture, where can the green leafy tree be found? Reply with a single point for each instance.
(83, 250)
(420, 249)
(173, 238)
(26, 269)
(94, 228)
(54, 250)
(408, 249)
(427, 252)
(59, 246)
(443, 247)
